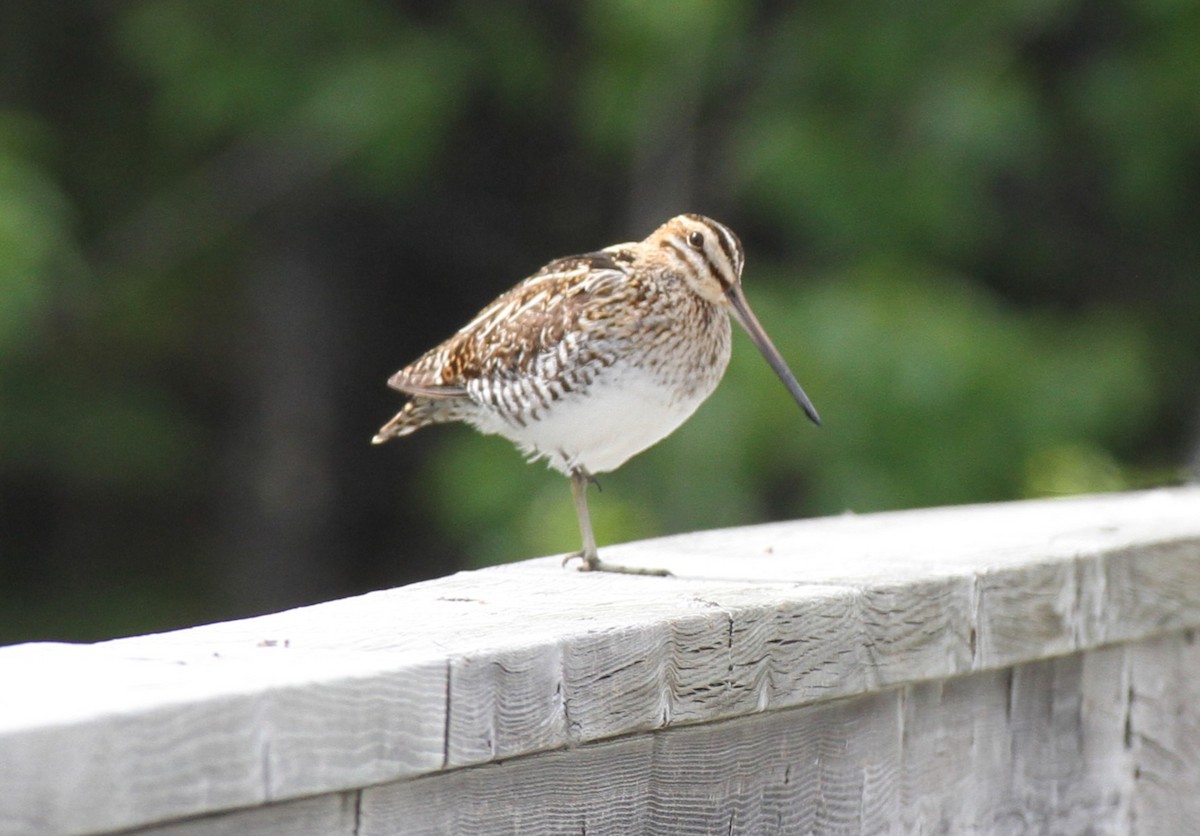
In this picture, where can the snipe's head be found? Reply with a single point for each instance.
(710, 257)
(704, 252)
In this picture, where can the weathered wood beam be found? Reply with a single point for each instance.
(529, 658)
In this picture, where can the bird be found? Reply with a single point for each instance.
(595, 357)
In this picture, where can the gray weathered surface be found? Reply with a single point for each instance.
(526, 658)
(334, 814)
(1064, 745)
(1027, 751)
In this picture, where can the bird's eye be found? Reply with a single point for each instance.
(696, 241)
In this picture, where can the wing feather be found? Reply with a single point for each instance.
(528, 321)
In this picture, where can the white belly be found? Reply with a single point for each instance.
(599, 429)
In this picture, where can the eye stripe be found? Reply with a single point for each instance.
(732, 246)
(701, 260)
(684, 252)
(713, 270)
(723, 240)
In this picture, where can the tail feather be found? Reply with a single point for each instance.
(417, 413)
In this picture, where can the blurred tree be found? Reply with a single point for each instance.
(222, 225)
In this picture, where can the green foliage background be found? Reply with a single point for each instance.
(972, 229)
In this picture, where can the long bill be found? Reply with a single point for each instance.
(747, 319)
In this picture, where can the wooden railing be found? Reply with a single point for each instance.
(1022, 667)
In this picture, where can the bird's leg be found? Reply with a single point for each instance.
(589, 556)
(579, 483)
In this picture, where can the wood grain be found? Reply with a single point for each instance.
(1163, 734)
(498, 664)
(335, 814)
(1037, 748)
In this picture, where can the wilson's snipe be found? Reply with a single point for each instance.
(595, 357)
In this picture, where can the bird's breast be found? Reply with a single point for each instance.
(601, 427)
(601, 406)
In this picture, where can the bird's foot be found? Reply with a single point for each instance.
(593, 563)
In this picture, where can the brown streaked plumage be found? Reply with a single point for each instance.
(595, 357)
